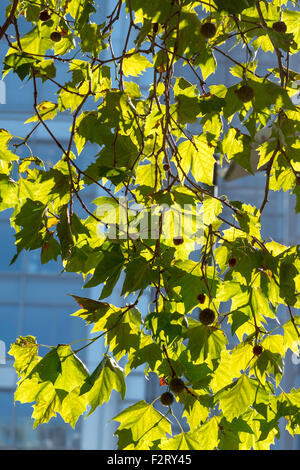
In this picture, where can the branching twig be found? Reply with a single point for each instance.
(9, 19)
(277, 51)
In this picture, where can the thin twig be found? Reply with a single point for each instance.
(277, 51)
(267, 185)
(9, 19)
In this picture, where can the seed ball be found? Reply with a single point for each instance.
(257, 350)
(279, 27)
(232, 262)
(245, 93)
(55, 36)
(201, 298)
(45, 15)
(208, 30)
(207, 316)
(155, 28)
(166, 167)
(176, 385)
(178, 241)
(167, 398)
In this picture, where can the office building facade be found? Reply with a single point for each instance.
(34, 300)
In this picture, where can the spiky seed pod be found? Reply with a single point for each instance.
(176, 385)
(167, 398)
(245, 93)
(257, 350)
(201, 298)
(279, 27)
(208, 30)
(45, 15)
(178, 241)
(55, 36)
(207, 316)
(155, 28)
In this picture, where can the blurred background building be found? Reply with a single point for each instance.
(34, 300)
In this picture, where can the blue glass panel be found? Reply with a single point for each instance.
(6, 410)
(10, 287)
(7, 247)
(51, 289)
(53, 435)
(9, 321)
(38, 321)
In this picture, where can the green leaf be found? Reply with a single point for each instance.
(147, 352)
(90, 305)
(64, 232)
(50, 383)
(205, 342)
(196, 409)
(135, 64)
(5, 154)
(110, 264)
(24, 350)
(30, 217)
(183, 441)
(46, 110)
(8, 192)
(68, 98)
(91, 38)
(108, 376)
(287, 282)
(144, 421)
(89, 129)
(269, 363)
(123, 331)
(231, 366)
(187, 100)
(234, 6)
(98, 316)
(155, 11)
(207, 435)
(197, 156)
(138, 275)
(291, 19)
(248, 218)
(236, 399)
(46, 69)
(291, 337)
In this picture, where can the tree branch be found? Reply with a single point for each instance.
(267, 185)
(9, 19)
(277, 51)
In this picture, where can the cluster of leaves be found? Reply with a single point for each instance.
(229, 377)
